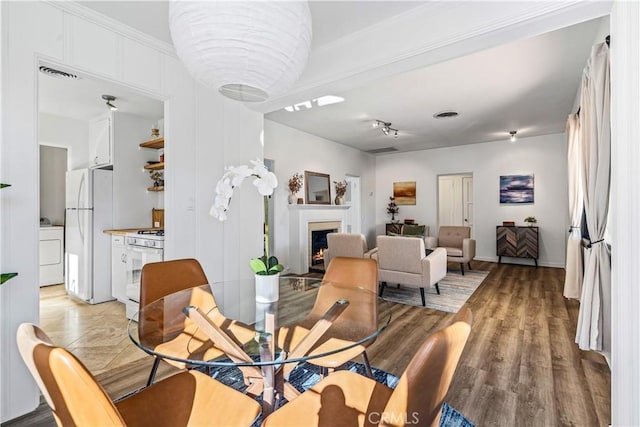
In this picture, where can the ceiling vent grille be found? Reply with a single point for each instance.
(445, 114)
(381, 150)
(57, 73)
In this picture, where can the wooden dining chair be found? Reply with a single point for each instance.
(346, 398)
(347, 272)
(160, 279)
(189, 398)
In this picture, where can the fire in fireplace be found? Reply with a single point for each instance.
(318, 246)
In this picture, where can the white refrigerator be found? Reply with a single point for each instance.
(89, 200)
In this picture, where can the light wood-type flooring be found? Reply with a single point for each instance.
(520, 367)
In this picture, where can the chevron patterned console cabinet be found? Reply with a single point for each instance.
(518, 242)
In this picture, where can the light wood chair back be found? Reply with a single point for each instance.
(77, 399)
(425, 382)
(159, 279)
(70, 390)
(348, 398)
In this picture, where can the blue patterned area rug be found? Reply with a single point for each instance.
(306, 375)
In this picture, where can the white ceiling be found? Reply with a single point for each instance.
(331, 20)
(81, 99)
(529, 85)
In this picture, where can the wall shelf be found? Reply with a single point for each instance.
(153, 143)
(155, 166)
(158, 188)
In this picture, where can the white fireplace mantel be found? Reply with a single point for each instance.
(299, 218)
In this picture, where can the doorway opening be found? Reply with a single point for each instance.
(70, 139)
(455, 200)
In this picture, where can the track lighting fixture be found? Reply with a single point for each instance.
(109, 99)
(513, 135)
(385, 127)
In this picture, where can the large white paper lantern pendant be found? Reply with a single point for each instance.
(249, 51)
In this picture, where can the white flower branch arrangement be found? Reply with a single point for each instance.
(265, 182)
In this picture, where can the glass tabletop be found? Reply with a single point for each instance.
(329, 317)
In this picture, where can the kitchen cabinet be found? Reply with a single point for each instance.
(118, 268)
(100, 142)
(156, 144)
(51, 255)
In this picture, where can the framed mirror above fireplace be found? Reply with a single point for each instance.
(317, 188)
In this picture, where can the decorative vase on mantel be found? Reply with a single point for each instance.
(339, 200)
(267, 287)
(293, 199)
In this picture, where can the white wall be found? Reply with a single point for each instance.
(65, 132)
(297, 151)
(53, 167)
(625, 211)
(543, 156)
(204, 132)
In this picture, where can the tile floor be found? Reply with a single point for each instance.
(95, 334)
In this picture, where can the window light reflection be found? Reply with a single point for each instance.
(317, 102)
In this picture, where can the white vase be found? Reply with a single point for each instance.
(339, 200)
(292, 199)
(267, 288)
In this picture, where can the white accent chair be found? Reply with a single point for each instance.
(458, 243)
(349, 245)
(402, 260)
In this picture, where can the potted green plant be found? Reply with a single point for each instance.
(530, 220)
(6, 276)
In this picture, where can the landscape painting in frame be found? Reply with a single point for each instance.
(516, 188)
(405, 192)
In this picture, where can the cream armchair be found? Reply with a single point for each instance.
(350, 245)
(402, 260)
(458, 243)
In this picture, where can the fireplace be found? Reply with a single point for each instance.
(318, 243)
(303, 220)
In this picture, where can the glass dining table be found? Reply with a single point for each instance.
(221, 324)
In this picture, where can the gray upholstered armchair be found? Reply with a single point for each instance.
(402, 260)
(458, 243)
(349, 245)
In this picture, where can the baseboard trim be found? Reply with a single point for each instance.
(521, 261)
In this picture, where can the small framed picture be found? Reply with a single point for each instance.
(404, 192)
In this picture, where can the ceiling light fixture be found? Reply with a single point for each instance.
(109, 99)
(248, 51)
(385, 127)
(513, 135)
(447, 114)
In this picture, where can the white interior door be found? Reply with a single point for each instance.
(467, 201)
(353, 198)
(455, 200)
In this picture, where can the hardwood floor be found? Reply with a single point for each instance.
(520, 366)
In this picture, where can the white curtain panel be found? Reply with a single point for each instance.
(594, 318)
(573, 276)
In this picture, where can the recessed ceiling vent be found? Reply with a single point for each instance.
(445, 114)
(382, 150)
(57, 73)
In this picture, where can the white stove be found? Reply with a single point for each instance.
(143, 247)
(146, 239)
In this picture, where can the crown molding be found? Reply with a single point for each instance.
(114, 25)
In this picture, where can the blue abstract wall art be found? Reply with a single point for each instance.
(516, 189)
